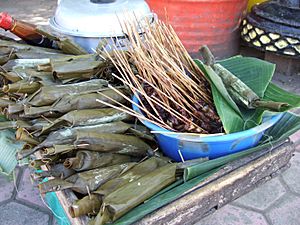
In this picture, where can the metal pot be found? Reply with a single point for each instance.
(89, 21)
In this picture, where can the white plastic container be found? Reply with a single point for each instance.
(87, 22)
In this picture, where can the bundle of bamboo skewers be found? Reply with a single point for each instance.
(172, 91)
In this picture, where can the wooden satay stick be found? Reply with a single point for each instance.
(167, 108)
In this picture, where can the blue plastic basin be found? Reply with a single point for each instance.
(185, 147)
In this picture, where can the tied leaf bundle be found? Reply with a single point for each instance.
(238, 90)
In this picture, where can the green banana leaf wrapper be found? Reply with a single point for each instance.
(68, 135)
(25, 47)
(87, 160)
(32, 75)
(66, 45)
(77, 102)
(122, 200)
(5, 102)
(21, 87)
(83, 66)
(47, 95)
(87, 117)
(14, 124)
(91, 204)
(12, 65)
(86, 182)
(122, 144)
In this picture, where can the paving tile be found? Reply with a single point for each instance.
(17, 214)
(286, 212)
(292, 176)
(296, 138)
(232, 215)
(263, 196)
(7, 186)
(28, 191)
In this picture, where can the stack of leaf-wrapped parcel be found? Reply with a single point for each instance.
(72, 117)
(55, 104)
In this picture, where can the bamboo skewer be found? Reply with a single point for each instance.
(172, 91)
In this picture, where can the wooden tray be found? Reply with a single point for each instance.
(226, 185)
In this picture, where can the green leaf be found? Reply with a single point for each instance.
(224, 104)
(218, 85)
(255, 73)
(275, 93)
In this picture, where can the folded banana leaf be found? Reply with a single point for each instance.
(4, 102)
(87, 160)
(80, 101)
(14, 124)
(23, 135)
(84, 66)
(91, 204)
(123, 144)
(56, 149)
(68, 135)
(18, 46)
(86, 182)
(14, 108)
(30, 75)
(47, 95)
(122, 200)
(11, 76)
(21, 87)
(65, 44)
(4, 58)
(87, 117)
(39, 123)
(27, 54)
(21, 63)
(70, 47)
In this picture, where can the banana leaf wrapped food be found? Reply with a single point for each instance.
(14, 124)
(24, 63)
(87, 117)
(68, 135)
(91, 204)
(4, 102)
(76, 102)
(87, 160)
(83, 67)
(238, 90)
(21, 87)
(23, 135)
(86, 182)
(101, 142)
(47, 95)
(122, 200)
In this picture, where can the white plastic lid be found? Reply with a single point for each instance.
(87, 19)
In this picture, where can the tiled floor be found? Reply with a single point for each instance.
(277, 202)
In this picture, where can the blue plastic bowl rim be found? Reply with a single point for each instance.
(268, 122)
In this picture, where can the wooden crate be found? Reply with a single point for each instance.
(226, 185)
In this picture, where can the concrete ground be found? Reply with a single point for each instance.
(277, 202)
